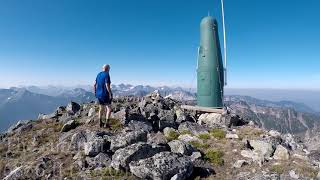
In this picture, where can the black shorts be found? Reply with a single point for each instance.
(106, 101)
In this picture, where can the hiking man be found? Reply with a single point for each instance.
(102, 91)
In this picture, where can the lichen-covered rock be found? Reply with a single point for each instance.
(101, 160)
(163, 165)
(211, 119)
(126, 138)
(139, 125)
(122, 157)
(193, 128)
(261, 147)
(168, 131)
(281, 153)
(95, 146)
(73, 108)
(157, 138)
(69, 125)
(181, 147)
(77, 140)
(166, 119)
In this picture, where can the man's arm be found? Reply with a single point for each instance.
(95, 87)
(109, 90)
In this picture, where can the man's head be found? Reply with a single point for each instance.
(106, 67)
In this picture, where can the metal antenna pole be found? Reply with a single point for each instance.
(224, 44)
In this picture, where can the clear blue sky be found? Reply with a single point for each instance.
(272, 43)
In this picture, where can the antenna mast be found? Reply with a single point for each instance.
(224, 44)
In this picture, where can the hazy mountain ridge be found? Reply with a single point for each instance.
(26, 103)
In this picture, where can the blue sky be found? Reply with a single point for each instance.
(271, 43)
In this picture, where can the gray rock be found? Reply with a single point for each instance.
(281, 153)
(181, 147)
(19, 124)
(194, 128)
(261, 147)
(73, 108)
(255, 156)
(166, 119)
(126, 138)
(134, 152)
(72, 124)
(139, 125)
(232, 136)
(211, 119)
(48, 116)
(157, 138)
(195, 156)
(77, 140)
(163, 165)
(17, 173)
(168, 131)
(102, 160)
(122, 115)
(91, 112)
(95, 146)
(65, 118)
(293, 174)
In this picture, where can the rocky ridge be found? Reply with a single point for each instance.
(150, 137)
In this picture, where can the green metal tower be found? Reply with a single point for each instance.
(210, 71)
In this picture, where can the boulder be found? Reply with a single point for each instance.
(157, 138)
(101, 160)
(181, 147)
(122, 157)
(232, 136)
(231, 120)
(72, 124)
(166, 119)
(195, 156)
(126, 138)
(168, 131)
(94, 146)
(48, 116)
(121, 115)
(281, 153)
(163, 165)
(139, 126)
(193, 128)
(24, 124)
(73, 108)
(274, 133)
(256, 157)
(265, 149)
(77, 140)
(211, 119)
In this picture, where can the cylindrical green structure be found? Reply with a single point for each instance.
(210, 76)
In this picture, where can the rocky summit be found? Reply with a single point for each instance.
(150, 137)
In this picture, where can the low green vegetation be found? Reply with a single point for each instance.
(199, 145)
(248, 132)
(186, 132)
(278, 168)
(173, 135)
(214, 156)
(115, 124)
(204, 136)
(218, 133)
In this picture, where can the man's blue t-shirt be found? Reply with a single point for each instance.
(101, 89)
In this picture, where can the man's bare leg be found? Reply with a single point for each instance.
(101, 109)
(108, 114)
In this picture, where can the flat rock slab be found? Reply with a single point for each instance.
(122, 157)
(163, 165)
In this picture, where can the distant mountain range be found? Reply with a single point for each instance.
(27, 102)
